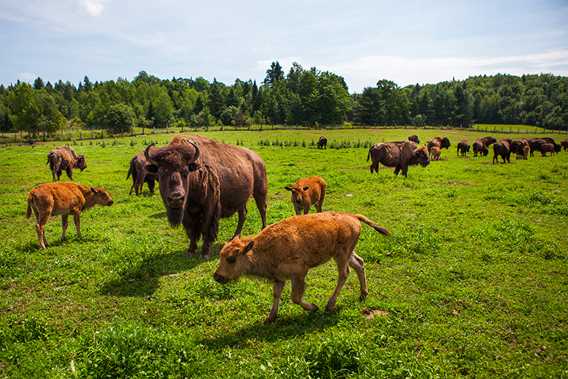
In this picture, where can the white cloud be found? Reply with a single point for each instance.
(365, 71)
(27, 77)
(93, 7)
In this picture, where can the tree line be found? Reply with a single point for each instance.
(302, 96)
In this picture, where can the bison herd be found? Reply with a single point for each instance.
(202, 180)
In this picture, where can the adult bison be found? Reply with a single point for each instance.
(64, 158)
(414, 138)
(322, 143)
(481, 145)
(521, 148)
(202, 180)
(547, 148)
(139, 171)
(534, 144)
(502, 149)
(564, 144)
(397, 155)
(441, 143)
(463, 147)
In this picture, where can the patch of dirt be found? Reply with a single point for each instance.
(370, 314)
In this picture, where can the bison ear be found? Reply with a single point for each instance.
(305, 188)
(93, 190)
(248, 247)
(289, 188)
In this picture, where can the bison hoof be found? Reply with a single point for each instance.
(330, 308)
(363, 296)
(270, 319)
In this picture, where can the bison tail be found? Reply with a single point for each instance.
(131, 169)
(369, 153)
(372, 224)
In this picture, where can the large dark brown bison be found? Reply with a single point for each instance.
(397, 155)
(547, 148)
(202, 180)
(64, 158)
(414, 138)
(502, 149)
(463, 147)
(140, 174)
(479, 148)
(534, 144)
(322, 143)
(521, 148)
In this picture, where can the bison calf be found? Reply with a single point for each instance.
(306, 192)
(64, 159)
(435, 152)
(290, 248)
(140, 174)
(547, 148)
(463, 148)
(55, 199)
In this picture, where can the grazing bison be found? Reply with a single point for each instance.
(534, 144)
(564, 144)
(521, 148)
(140, 174)
(397, 155)
(502, 149)
(442, 143)
(202, 180)
(463, 148)
(64, 158)
(306, 192)
(322, 143)
(414, 138)
(53, 199)
(289, 249)
(480, 148)
(547, 148)
(488, 140)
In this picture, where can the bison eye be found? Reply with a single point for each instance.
(231, 259)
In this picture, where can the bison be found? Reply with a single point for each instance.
(502, 149)
(288, 249)
(488, 140)
(140, 174)
(521, 148)
(480, 148)
(547, 148)
(435, 152)
(202, 180)
(397, 155)
(306, 192)
(463, 148)
(322, 143)
(53, 199)
(534, 144)
(64, 158)
(442, 143)
(564, 144)
(414, 138)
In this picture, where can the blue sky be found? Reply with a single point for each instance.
(364, 41)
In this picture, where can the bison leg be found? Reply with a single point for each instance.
(77, 221)
(356, 263)
(242, 217)
(40, 228)
(151, 185)
(405, 171)
(69, 172)
(343, 271)
(206, 248)
(298, 288)
(397, 170)
(319, 204)
(276, 294)
(64, 225)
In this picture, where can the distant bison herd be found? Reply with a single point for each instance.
(202, 180)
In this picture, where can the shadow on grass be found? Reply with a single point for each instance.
(158, 215)
(282, 328)
(143, 279)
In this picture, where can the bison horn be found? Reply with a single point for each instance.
(196, 156)
(147, 152)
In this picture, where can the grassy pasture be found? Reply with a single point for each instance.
(515, 128)
(472, 282)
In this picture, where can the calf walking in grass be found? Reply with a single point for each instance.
(306, 192)
(289, 249)
(53, 199)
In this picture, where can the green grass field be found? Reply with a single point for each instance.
(472, 282)
(515, 128)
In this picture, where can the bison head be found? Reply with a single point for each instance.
(414, 138)
(172, 164)
(445, 142)
(300, 196)
(81, 162)
(488, 140)
(234, 260)
(420, 156)
(101, 196)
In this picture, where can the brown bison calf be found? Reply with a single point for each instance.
(53, 199)
(306, 192)
(435, 152)
(290, 248)
(463, 148)
(140, 174)
(64, 158)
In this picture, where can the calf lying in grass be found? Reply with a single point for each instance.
(290, 248)
(54, 199)
(306, 192)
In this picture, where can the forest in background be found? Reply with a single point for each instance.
(307, 97)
